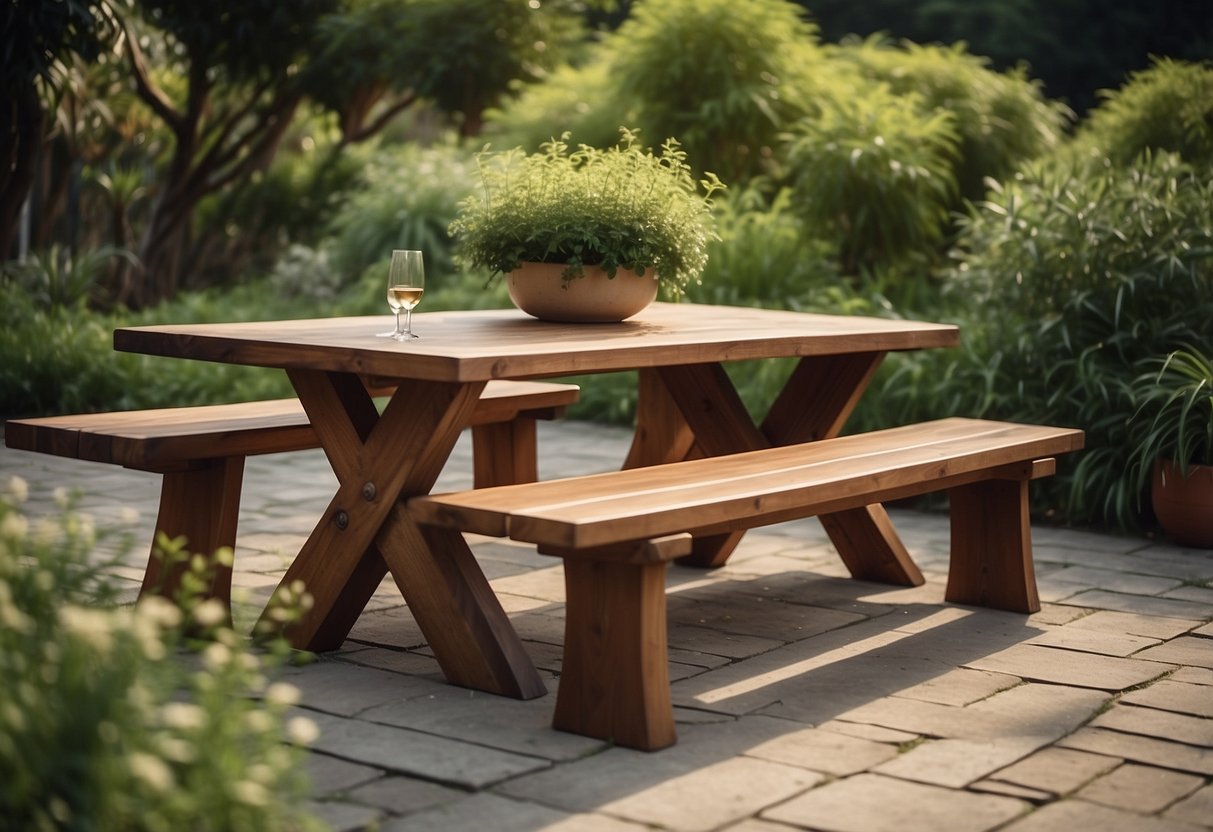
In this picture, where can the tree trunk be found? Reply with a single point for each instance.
(20, 146)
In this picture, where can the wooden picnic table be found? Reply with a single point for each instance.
(687, 407)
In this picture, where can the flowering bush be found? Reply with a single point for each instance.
(104, 726)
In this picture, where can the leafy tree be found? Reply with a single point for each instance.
(40, 40)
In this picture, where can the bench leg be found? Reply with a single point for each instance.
(614, 681)
(991, 563)
(203, 506)
(869, 546)
(505, 453)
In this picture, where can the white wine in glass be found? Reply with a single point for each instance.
(405, 286)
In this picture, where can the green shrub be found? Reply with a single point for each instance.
(1168, 107)
(1001, 118)
(724, 77)
(763, 256)
(874, 170)
(580, 100)
(105, 726)
(408, 196)
(1072, 277)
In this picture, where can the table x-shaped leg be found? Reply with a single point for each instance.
(695, 410)
(365, 532)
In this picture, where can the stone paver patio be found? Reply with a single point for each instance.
(805, 700)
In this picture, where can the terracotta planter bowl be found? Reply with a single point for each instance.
(1184, 505)
(540, 290)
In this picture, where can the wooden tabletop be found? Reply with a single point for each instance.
(470, 346)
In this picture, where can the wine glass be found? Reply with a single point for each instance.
(405, 285)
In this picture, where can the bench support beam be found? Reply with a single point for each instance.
(614, 680)
(991, 563)
(202, 505)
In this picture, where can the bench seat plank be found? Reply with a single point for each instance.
(750, 488)
(169, 438)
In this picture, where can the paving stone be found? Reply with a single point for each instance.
(418, 754)
(344, 817)
(764, 618)
(757, 825)
(817, 590)
(403, 795)
(960, 687)
(1133, 624)
(396, 661)
(1057, 770)
(875, 733)
(1071, 815)
(524, 727)
(393, 628)
(1066, 667)
(543, 584)
(1154, 723)
(1011, 790)
(1199, 594)
(700, 783)
(1093, 641)
(1169, 695)
(1140, 604)
(1206, 630)
(815, 679)
(1193, 675)
(873, 803)
(346, 689)
(1141, 749)
(1141, 789)
(955, 763)
(1196, 808)
(707, 640)
(479, 812)
(1116, 581)
(1056, 615)
(1037, 712)
(1189, 650)
(825, 751)
(332, 775)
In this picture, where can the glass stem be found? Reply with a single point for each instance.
(408, 322)
(397, 321)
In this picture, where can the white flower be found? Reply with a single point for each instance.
(183, 716)
(128, 515)
(281, 693)
(210, 613)
(14, 526)
(249, 793)
(151, 770)
(60, 496)
(301, 731)
(160, 611)
(19, 488)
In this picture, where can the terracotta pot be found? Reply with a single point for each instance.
(539, 289)
(1184, 505)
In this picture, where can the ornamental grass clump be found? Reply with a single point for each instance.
(618, 208)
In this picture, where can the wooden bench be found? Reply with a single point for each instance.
(617, 532)
(200, 452)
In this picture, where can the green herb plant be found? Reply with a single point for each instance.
(619, 208)
(1174, 420)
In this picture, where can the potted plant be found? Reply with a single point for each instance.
(1176, 446)
(588, 234)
